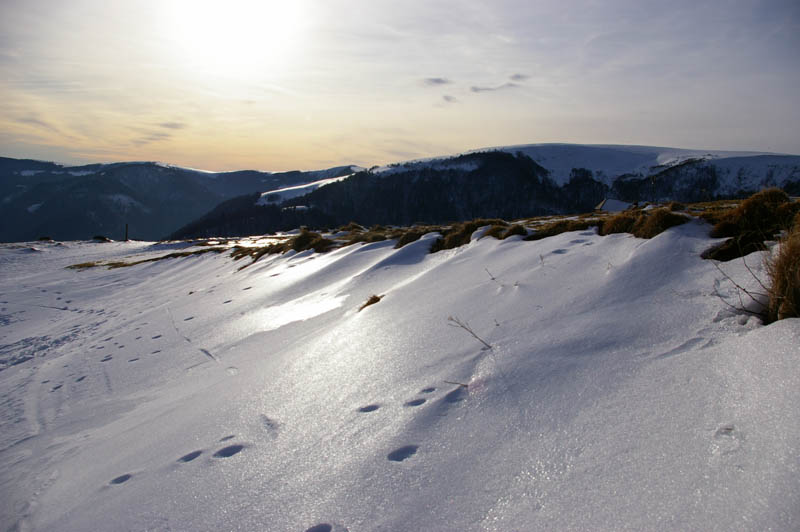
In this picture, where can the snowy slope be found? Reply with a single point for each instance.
(609, 161)
(283, 194)
(619, 391)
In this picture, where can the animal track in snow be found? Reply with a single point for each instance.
(369, 408)
(79, 379)
(121, 479)
(459, 394)
(415, 402)
(230, 450)
(189, 318)
(227, 301)
(430, 389)
(727, 440)
(559, 251)
(232, 370)
(106, 359)
(403, 453)
(156, 337)
(248, 288)
(189, 457)
(322, 527)
(133, 359)
(56, 387)
(229, 437)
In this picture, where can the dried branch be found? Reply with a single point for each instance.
(456, 322)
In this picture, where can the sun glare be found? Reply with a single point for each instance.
(236, 38)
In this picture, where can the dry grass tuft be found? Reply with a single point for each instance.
(459, 234)
(650, 224)
(759, 218)
(784, 274)
(560, 226)
(371, 301)
(619, 223)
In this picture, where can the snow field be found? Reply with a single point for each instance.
(619, 392)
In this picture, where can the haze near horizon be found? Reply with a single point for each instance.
(311, 84)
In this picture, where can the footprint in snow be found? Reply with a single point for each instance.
(56, 387)
(121, 479)
(727, 440)
(457, 395)
(248, 288)
(138, 338)
(226, 302)
(133, 360)
(577, 241)
(415, 402)
(322, 527)
(156, 337)
(189, 318)
(559, 251)
(189, 457)
(157, 351)
(229, 437)
(230, 450)
(79, 379)
(428, 390)
(369, 408)
(403, 453)
(106, 359)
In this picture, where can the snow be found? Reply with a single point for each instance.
(30, 173)
(613, 205)
(609, 161)
(33, 208)
(283, 194)
(620, 392)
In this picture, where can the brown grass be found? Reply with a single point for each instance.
(759, 218)
(652, 223)
(783, 269)
(460, 233)
(619, 223)
(371, 301)
(560, 226)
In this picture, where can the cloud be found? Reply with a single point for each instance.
(435, 82)
(504, 86)
(449, 99)
(518, 77)
(34, 121)
(172, 125)
(149, 138)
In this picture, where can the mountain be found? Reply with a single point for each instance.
(509, 182)
(77, 202)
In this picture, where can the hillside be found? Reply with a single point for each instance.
(605, 384)
(78, 202)
(508, 183)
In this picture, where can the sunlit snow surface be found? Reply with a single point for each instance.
(620, 392)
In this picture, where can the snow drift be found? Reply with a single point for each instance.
(619, 392)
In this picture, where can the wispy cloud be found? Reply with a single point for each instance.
(519, 77)
(504, 86)
(35, 121)
(435, 82)
(172, 125)
(150, 138)
(449, 99)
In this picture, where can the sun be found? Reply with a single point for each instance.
(234, 38)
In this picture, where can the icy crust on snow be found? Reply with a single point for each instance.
(619, 392)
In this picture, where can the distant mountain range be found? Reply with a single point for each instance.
(507, 182)
(157, 200)
(78, 202)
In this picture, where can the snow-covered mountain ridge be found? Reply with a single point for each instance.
(619, 392)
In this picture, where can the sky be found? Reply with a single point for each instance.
(310, 84)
